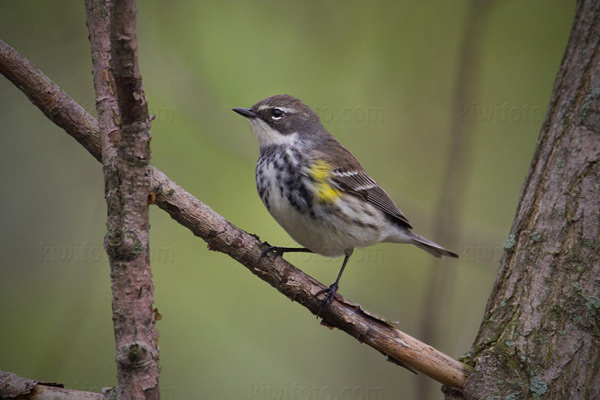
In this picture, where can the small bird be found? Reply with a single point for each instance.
(318, 191)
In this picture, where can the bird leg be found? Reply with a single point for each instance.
(279, 251)
(332, 289)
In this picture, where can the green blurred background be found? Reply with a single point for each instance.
(382, 74)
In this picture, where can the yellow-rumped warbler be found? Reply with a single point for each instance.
(318, 191)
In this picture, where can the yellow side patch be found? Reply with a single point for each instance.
(320, 171)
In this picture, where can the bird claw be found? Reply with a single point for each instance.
(331, 291)
(277, 251)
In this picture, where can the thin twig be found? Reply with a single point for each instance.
(125, 138)
(223, 236)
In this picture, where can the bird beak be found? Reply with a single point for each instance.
(245, 112)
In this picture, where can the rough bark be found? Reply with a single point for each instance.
(125, 141)
(223, 236)
(16, 387)
(540, 336)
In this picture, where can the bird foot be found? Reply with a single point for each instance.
(277, 251)
(331, 290)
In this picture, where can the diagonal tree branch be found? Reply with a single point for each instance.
(125, 140)
(540, 333)
(225, 237)
(13, 386)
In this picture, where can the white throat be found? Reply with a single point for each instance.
(267, 136)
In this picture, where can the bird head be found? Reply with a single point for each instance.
(281, 119)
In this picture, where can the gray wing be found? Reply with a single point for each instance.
(362, 185)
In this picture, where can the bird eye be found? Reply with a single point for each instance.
(277, 114)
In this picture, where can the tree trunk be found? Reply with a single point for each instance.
(125, 137)
(540, 336)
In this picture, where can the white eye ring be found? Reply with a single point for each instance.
(277, 114)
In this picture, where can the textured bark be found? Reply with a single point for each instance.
(15, 387)
(540, 337)
(223, 236)
(54, 102)
(125, 140)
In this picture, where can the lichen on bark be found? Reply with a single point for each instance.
(540, 335)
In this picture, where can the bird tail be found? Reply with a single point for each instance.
(432, 248)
